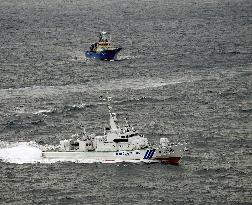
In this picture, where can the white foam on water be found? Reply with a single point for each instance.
(19, 153)
(82, 105)
(126, 57)
(30, 152)
(41, 112)
(120, 84)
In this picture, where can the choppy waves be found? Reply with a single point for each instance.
(121, 84)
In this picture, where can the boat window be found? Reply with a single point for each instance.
(159, 151)
(137, 152)
(116, 153)
(120, 153)
(122, 136)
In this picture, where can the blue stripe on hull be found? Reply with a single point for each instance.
(147, 157)
(152, 153)
(146, 154)
(149, 154)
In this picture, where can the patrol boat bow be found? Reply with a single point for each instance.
(116, 144)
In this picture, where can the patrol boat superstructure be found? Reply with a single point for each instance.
(116, 144)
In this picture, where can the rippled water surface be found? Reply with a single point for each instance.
(184, 73)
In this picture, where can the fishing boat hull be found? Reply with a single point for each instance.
(103, 55)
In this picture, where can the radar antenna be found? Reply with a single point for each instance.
(113, 118)
(127, 122)
(109, 103)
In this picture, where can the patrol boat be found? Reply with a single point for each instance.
(103, 49)
(117, 144)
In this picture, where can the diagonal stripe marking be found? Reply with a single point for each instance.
(146, 154)
(151, 155)
(147, 157)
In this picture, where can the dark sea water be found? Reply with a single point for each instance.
(185, 72)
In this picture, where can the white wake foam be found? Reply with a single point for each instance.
(120, 84)
(42, 111)
(19, 153)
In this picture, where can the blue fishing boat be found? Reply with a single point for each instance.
(103, 49)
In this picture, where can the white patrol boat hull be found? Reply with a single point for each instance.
(146, 155)
(116, 144)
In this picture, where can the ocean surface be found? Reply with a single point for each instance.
(185, 73)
